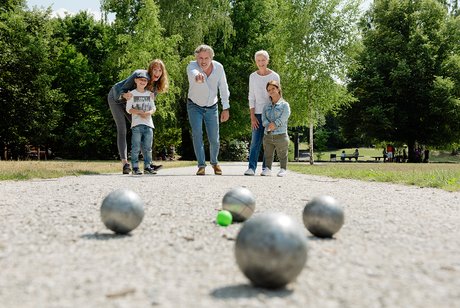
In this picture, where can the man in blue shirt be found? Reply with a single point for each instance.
(206, 78)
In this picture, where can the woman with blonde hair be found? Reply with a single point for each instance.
(119, 95)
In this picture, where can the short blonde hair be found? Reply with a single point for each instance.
(261, 53)
(204, 47)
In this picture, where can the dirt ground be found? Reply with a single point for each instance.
(399, 246)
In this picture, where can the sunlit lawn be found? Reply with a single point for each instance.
(439, 175)
(24, 170)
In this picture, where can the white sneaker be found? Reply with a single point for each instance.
(249, 172)
(266, 172)
(282, 172)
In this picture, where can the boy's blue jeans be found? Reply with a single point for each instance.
(257, 139)
(142, 135)
(210, 116)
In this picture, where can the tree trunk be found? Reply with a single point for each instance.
(296, 146)
(311, 144)
(411, 151)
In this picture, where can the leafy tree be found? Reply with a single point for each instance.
(10, 5)
(316, 57)
(407, 82)
(452, 6)
(29, 103)
(82, 46)
(197, 22)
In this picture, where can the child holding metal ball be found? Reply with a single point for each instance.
(275, 119)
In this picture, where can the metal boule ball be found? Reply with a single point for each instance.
(122, 211)
(323, 216)
(240, 202)
(271, 250)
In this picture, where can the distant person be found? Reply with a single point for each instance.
(206, 78)
(118, 96)
(426, 155)
(390, 152)
(356, 154)
(275, 120)
(384, 154)
(343, 156)
(141, 106)
(258, 98)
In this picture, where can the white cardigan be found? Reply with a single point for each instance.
(258, 96)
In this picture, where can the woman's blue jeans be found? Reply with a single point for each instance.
(210, 116)
(142, 135)
(257, 139)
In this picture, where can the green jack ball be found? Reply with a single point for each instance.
(224, 218)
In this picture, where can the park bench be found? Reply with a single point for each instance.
(377, 158)
(36, 152)
(304, 155)
(350, 156)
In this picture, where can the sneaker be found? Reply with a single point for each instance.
(266, 172)
(136, 171)
(126, 168)
(217, 169)
(149, 171)
(249, 172)
(282, 172)
(156, 167)
(201, 171)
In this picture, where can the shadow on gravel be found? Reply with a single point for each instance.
(248, 291)
(103, 236)
(315, 238)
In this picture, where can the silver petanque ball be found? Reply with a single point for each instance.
(122, 211)
(323, 216)
(271, 250)
(240, 202)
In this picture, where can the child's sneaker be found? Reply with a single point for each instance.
(266, 172)
(136, 171)
(149, 171)
(282, 172)
(156, 167)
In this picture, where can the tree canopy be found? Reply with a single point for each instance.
(395, 71)
(407, 79)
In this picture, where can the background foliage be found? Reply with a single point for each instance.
(390, 75)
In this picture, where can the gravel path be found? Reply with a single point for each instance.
(399, 247)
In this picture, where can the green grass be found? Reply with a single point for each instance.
(442, 172)
(436, 175)
(368, 153)
(26, 170)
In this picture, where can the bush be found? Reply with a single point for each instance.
(234, 150)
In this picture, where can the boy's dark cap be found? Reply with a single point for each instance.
(143, 75)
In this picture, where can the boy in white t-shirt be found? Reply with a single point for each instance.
(141, 106)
